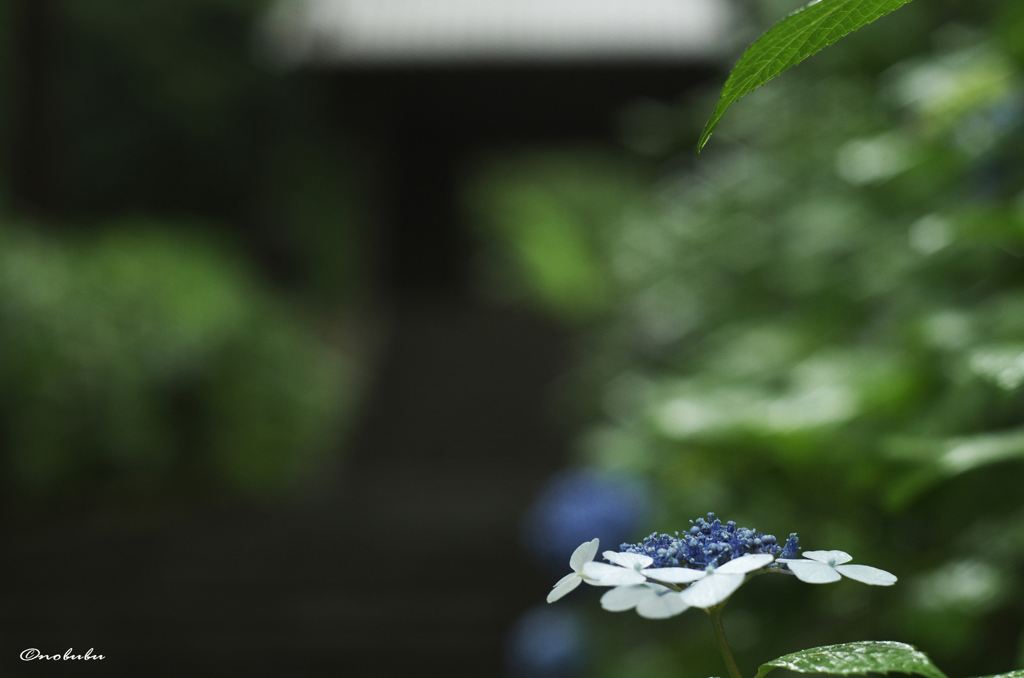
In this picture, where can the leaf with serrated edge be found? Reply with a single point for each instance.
(800, 35)
(857, 658)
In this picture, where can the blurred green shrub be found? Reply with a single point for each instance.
(540, 214)
(819, 328)
(146, 355)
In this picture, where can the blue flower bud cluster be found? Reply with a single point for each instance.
(709, 542)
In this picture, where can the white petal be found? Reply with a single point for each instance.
(712, 589)
(633, 561)
(867, 575)
(661, 605)
(674, 575)
(812, 572)
(584, 553)
(622, 598)
(571, 575)
(747, 563)
(611, 575)
(837, 557)
(564, 585)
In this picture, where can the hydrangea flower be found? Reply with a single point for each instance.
(664, 575)
(718, 583)
(717, 556)
(651, 602)
(583, 554)
(824, 567)
(630, 572)
(630, 569)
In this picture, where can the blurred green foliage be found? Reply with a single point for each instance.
(174, 109)
(148, 357)
(546, 211)
(135, 354)
(819, 328)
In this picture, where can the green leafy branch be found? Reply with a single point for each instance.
(801, 34)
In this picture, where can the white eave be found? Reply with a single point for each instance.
(362, 33)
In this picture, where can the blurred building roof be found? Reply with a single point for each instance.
(463, 32)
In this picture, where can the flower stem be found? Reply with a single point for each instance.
(715, 612)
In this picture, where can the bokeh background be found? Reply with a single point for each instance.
(318, 366)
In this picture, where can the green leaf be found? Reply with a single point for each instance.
(1011, 674)
(857, 658)
(939, 460)
(801, 34)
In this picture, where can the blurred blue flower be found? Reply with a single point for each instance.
(545, 643)
(577, 506)
(1008, 114)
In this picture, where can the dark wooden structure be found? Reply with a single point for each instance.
(429, 121)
